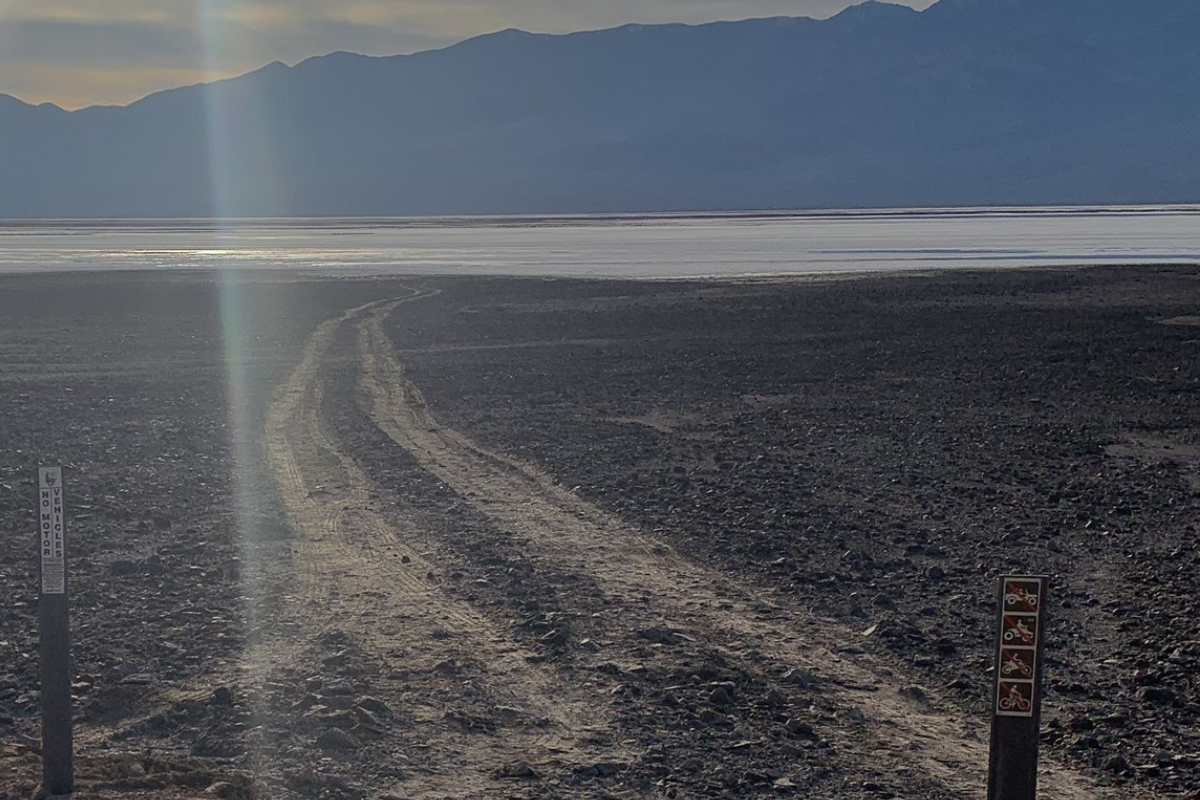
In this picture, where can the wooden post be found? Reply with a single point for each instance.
(58, 767)
(1017, 690)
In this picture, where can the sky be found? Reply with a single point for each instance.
(77, 53)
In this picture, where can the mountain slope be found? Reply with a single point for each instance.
(968, 102)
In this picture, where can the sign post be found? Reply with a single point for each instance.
(1017, 699)
(58, 767)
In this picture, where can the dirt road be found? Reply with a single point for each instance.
(372, 574)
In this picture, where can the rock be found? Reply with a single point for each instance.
(555, 638)
(935, 573)
(311, 779)
(128, 765)
(374, 705)
(138, 679)
(518, 769)
(1117, 763)
(508, 715)
(721, 696)
(222, 696)
(775, 699)
(798, 727)
(342, 702)
(1157, 694)
(240, 787)
(799, 677)
(602, 769)
(337, 739)
(365, 717)
(663, 636)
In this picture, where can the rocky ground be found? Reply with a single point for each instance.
(601, 539)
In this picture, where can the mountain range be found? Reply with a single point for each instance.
(969, 102)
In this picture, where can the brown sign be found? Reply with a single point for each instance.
(1021, 619)
(1022, 595)
(1019, 631)
(1015, 699)
(1017, 659)
(1017, 664)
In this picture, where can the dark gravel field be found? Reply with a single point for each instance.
(475, 538)
(881, 449)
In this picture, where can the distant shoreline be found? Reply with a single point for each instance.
(520, 220)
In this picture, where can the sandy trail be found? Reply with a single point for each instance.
(657, 588)
(359, 575)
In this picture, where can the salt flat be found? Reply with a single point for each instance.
(669, 246)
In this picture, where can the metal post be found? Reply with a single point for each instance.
(58, 767)
(1017, 696)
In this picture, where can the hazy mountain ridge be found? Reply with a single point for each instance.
(968, 102)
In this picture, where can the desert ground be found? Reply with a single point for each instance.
(514, 538)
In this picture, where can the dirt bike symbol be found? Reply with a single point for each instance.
(1015, 664)
(1019, 631)
(1014, 700)
(1017, 595)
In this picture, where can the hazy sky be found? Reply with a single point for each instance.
(84, 52)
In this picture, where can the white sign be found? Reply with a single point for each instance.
(50, 526)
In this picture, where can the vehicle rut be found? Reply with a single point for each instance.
(358, 574)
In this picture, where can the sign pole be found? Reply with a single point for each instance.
(58, 760)
(1017, 696)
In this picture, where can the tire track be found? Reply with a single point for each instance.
(358, 574)
(900, 734)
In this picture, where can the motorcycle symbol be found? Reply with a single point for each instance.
(1020, 631)
(1014, 700)
(1014, 664)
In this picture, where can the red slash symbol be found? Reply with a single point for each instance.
(1019, 599)
(1014, 700)
(1016, 631)
(1013, 663)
